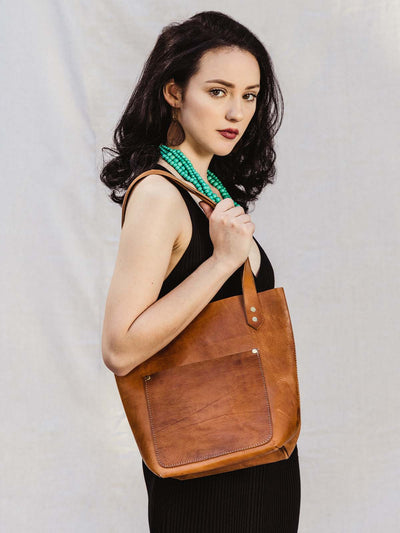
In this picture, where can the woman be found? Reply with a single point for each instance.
(204, 76)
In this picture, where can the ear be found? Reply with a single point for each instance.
(172, 93)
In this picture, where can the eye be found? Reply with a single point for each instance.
(251, 94)
(213, 90)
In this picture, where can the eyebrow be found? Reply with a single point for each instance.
(228, 84)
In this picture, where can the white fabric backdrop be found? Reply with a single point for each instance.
(330, 226)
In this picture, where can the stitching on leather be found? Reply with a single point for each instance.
(293, 343)
(266, 439)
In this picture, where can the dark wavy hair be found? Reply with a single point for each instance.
(144, 123)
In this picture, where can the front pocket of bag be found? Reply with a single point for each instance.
(208, 408)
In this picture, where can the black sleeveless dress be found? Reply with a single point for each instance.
(258, 499)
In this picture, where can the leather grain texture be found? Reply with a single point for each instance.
(224, 394)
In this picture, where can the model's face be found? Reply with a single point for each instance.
(210, 106)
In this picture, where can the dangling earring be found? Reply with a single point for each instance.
(175, 133)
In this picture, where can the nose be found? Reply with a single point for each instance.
(235, 111)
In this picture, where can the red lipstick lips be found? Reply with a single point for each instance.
(229, 133)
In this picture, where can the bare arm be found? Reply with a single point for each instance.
(136, 324)
(167, 317)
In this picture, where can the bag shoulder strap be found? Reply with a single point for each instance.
(171, 177)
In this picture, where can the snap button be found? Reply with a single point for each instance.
(252, 309)
(254, 319)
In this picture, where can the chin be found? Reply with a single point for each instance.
(223, 151)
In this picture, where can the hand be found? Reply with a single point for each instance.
(231, 231)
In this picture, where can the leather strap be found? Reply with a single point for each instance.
(252, 304)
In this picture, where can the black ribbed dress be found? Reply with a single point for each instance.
(258, 499)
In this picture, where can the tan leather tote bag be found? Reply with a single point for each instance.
(224, 394)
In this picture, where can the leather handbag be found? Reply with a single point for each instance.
(222, 395)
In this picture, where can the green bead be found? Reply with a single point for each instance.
(177, 159)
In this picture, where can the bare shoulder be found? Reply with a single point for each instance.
(156, 185)
(157, 192)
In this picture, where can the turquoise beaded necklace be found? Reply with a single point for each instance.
(177, 159)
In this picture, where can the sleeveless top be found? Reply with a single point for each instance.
(200, 248)
(250, 500)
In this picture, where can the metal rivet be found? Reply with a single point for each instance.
(254, 350)
(147, 378)
(254, 319)
(252, 309)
